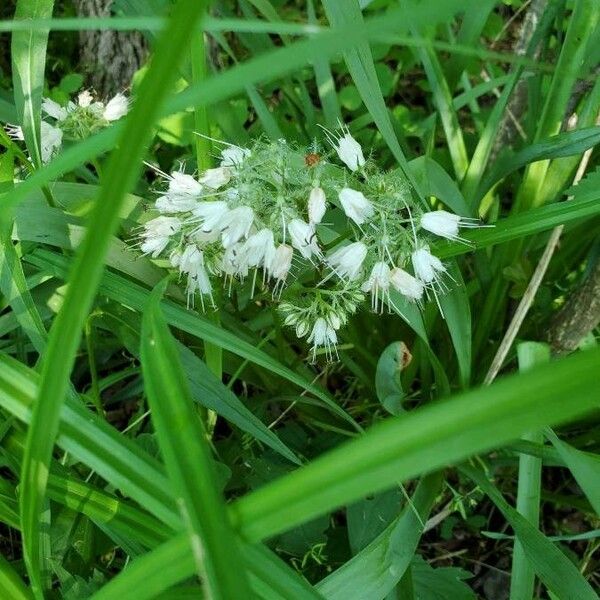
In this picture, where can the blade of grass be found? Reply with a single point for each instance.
(522, 576)
(552, 566)
(419, 442)
(121, 173)
(28, 52)
(11, 585)
(188, 460)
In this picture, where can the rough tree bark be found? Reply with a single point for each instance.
(108, 58)
(579, 315)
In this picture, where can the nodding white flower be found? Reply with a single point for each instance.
(350, 152)
(85, 99)
(317, 205)
(215, 178)
(236, 224)
(304, 238)
(446, 224)
(209, 214)
(157, 233)
(428, 268)
(50, 141)
(234, 156)
(184, 184)
(15, 132)
(406, 284)
(191, 263)
(356, 206)
(230, 262)
(54, 109)
(323, 335)
(378, 284)
(259, 249)
(116, 108)
(281, 262)
(347, 261)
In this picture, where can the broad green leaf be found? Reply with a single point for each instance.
(444, 583)
(190, 467)
(552, 566)
(421, 441)
(388, 383)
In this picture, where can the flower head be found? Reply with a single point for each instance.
(157, 233)
(304, 238)
(406, 284)
(116, 108)
(323, 335)
(236, 224)
(356, 206)
(209, 214)
(347, 261)
(215, 178)
(234, 156)
(428, 268)
(317, 205)
(378, 284)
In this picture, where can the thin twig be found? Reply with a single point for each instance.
(532, 288)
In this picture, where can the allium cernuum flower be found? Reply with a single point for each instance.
(281, 262)
(303, 238)
(406, 284)
(215, 178)
(378, 284)
(350, 152)
(209, 214)
(236, 224)
(356, 206)
(347, 261)
(258, 250)
(317, 205)
(157, 233)
(116, 108)
(428, 267)
(323, 335)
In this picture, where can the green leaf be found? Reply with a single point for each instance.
(421, 441)
(11, 585)
(120, 176)
(388, 383)
(28, 52)
(552, 566)
(446, 583)
(188, 460)
(374, 571)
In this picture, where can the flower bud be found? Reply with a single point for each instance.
(356, 206)
(316, 205)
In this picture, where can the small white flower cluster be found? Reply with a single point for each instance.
(263, 210)
(76, 120)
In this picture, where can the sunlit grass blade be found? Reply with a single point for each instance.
(421, 441)
(188, 460)
(121, 174)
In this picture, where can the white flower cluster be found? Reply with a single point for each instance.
(263, 210)
(76, 120)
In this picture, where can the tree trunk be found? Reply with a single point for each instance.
(108, 58)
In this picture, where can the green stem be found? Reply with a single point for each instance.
(95, 387)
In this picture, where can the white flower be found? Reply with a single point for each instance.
(191, 263)
(356, 206)
(350, 152)
(54, 109)
(182, 194)
(157, 233)
(15, 132)
(317, 205)
(230, 262)
(116, 108)
(406, 284)
(233, 156)
(210, 214)
(215, 178)
(322, 335)
(446, 224)
(378, 284)
(51, 141)
(258, 250)
(236, 224)
(347, 261)
(304, 238)
(427, 266)
(281, 262)
(85, 99)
